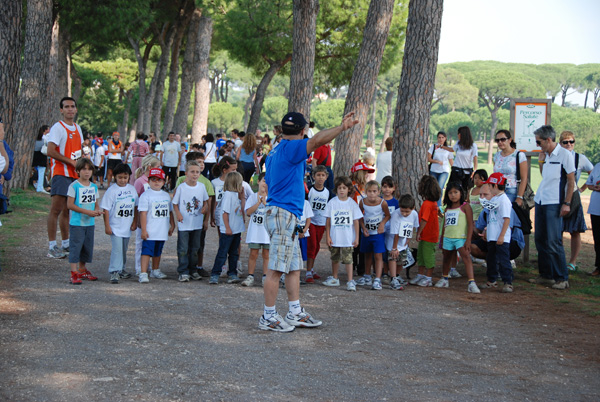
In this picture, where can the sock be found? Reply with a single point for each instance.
(294, 307)
(446, 277)
(452, 268)
(65, 243)
(269, 312)
(52, 244)
(471, 280)
(309, 274)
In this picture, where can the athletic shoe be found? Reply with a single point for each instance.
(274, 323)
(472, 288)
(114, 277)
(310, 279)
(385, 279)
(202, 272)
(360, 281)
(561, 285)
(479, 261)
(542, 281)
(184, 278)
(56, 252)
(416, 279)
(87, 275)
(157, 273)
(442, 283)
(316, 276)
(101, 186)
(454, 273)
(233, 279)
(376, 285)
(240, 270)
(214, 280)
(249, 281)
(302, 320)
(75, 280)
(401, 280)
(224, 271)
(144, 277)
(195, 276)
(395, 284)
(331, 281)
(351, 286)
(425, 282)
(124, 274)
(507, 288)
(489, 285)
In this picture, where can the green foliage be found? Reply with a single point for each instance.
(582, 122)
(274, 108)
(452, 90)
(328, 114)
(224, 117)
(497, 86)
(592, 150)
(449, 123)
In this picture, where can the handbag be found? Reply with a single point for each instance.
(432, 153)
(528, 195)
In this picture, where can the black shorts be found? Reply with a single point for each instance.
(59, 185)
(112, 163)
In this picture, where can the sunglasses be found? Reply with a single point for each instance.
(568, 142)
(500, 139)
(538, 143)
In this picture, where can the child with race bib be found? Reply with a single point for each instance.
(388, 189)
(372, 243)
(226, 165)
(341, 229)
(456, 234)
(404, 221)
(318, 197)
(120, 219)
(257, 237)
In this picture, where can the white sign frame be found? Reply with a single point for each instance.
(527, 115)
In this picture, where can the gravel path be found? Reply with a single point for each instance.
(170, 341)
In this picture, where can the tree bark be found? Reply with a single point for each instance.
(180, 122)
(389, 97)
(161, 74)
(303, 56)
(202, 95)
(51, 112)
(362, 84)
(261, 90)
(11, 13)
(371, 135)
(411, 120)
(29, 114)
(248, 105)
(141, 83)
(587, 92)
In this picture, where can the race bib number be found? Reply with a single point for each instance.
(124, 209)
(87, 196)
(76, 154)
(410, 261)
(452, 218)
(406, 229)
(318, 205)
(373, 222)
(219, 195)
(341, 218)
(392, 209)
(160, 209)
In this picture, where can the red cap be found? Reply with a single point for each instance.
(361, 166)
(496, 178)
(156, 172)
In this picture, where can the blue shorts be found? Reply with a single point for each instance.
(153, 248)
(304, 248)
(373, 243)
(453, 244)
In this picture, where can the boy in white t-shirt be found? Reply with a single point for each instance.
(257, 237)
(190, 204)
(157, 223)
(318, 197)
(341, 229)
(120, 218)
(404, 222)
(498, 234)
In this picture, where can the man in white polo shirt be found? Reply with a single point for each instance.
(552, 202)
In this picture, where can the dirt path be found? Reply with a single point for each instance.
(169, 341)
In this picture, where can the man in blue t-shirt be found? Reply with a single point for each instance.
(285, 180)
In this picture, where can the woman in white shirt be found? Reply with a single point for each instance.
(210, 156)
(505, 162)
(441, 160)
(465, 160)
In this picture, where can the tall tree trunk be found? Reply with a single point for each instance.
(362, 84)
(74, 80)
(261, 90)
(389, 97)
(563, 90)
(202, 95)
(303, 56)
(371, 135)
(28, 118)
(180, 122)
(124, 126)
(11, 14)
(596, 100)
(248, 105)
(159, 89)
(182, 24)
(587, 92)
(51, 112)
(142, 94)
(411, 120)
(494, 113)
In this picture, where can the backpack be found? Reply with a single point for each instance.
(524, 216)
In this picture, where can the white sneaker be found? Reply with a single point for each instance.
(376, 285)
(331, 281)
(144, 277)
(454, 273)
(479, 261)
(442, 283)
(302, 320)
(275, 323)
(184, 278)
(157, 273)
(351, 286)
(360, 281)
(224, 271)
(368, 280)
(416, 279)
(473, 288)
(424, 282)
(249, 281)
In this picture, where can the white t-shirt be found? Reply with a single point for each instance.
(307, 213)
(237, 143)
(594, 180)
(549, 189)
(404, 227)
(508, 165)
(158, 205)
(218, 187)
(584, 165)
(342, 215)
(120, 203)
(98, 154)
(247, 190)
(232, 205)
(2, 163)
(257, 233)
(171, 153)
(441, 155)
(464, 157)
(496, 218)
(210, 154)
(318, 201)
(190, 201)
(384, 165)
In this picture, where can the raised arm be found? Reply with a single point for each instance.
(325, 136)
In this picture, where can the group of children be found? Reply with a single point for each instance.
(362, 215)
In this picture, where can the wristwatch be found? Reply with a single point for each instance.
(568, 204)
(520, 196)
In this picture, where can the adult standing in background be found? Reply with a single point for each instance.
(65, 147)
(552, 203)
(384, 160)
(246, 154)
(138, 149)
(593, 183)
(114, 156)
(441, 160)
(171, 158)
(40, 161)
(465, 159)
(507, 163)
(322, 156)
(210, 155)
